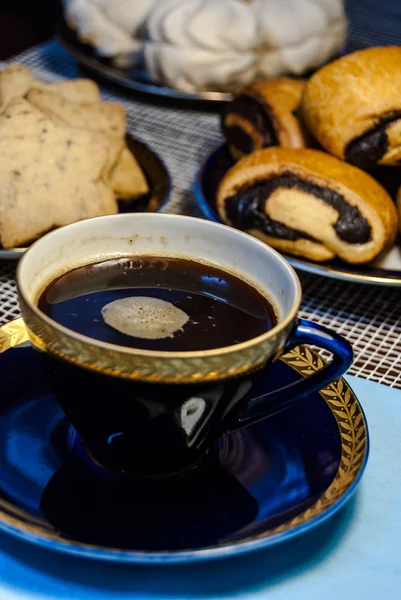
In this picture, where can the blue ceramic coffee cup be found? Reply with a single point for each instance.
(151, 412)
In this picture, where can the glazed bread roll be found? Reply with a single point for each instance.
(308, 203)
(353, 107)
(262, 115)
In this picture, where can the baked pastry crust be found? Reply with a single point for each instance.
(306, 215)
(353, 96)
(277, 101)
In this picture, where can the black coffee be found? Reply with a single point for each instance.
(168, 304)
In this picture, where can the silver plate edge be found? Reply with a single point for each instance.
(139, 86)
(314, 269)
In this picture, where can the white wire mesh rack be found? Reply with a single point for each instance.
(369, 316)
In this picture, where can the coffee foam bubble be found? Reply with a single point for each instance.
(144, 317)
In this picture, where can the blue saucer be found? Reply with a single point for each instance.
(211, 172)
(256, 488)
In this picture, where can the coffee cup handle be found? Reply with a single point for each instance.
(306, 332)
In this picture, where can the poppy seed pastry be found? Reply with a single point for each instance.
(353, 107)
(263, 115)
(308, 203)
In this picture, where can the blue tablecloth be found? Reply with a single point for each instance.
(356, 555)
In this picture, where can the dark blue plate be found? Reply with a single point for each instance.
(256, 488)
(208, 178)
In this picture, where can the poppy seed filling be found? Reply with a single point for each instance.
(366, 150)
(246, 210)
(251, 110)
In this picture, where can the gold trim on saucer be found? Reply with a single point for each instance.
(12, 334)
(352, 426)
(338, 396)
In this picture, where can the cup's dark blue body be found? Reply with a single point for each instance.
(151, 429)
(146, 428)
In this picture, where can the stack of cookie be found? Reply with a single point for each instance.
(63, 155)
(306, 149)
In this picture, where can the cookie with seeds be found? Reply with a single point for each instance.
(16, 80)
(123, 173)
(49, 177)
(106, 117)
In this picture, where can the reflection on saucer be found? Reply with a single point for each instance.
(198, 509)
(264, 476)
